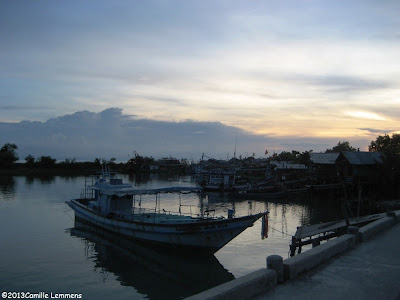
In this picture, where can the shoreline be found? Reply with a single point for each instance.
(39, 172)
(24, 171)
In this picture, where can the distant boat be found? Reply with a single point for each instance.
(110, 204)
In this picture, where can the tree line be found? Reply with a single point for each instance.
(389, 145)
(9, 156)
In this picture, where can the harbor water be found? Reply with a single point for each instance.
(43, 249)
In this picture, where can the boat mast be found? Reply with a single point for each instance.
(234, 152)
(234, 158)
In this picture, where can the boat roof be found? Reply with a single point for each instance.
(126, 189)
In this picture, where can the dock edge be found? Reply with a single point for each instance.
(258, 282)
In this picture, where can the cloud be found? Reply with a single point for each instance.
(23, 107)
(86, 135)
(365, 115)
(109, 133)
(261, 66)
(336, 83)
(376, 131)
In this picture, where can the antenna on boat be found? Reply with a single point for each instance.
(234, 153)
(105, 170)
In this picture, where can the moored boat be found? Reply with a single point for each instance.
(110, 204)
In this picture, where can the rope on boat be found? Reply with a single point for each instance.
(278, 231)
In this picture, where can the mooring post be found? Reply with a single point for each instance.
(354, 230)
(275, 262)
(293, 246)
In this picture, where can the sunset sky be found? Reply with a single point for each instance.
(275, 69)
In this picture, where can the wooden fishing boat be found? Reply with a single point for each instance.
(110, 204)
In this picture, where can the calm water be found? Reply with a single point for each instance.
(42, 249)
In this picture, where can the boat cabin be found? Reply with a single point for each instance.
(110, 196)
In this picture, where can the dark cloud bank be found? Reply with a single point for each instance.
(86, 135)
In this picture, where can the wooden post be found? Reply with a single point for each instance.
(316, 242)
(293, 246)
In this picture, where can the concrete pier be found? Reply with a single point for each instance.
(245, 287)
(362, 264)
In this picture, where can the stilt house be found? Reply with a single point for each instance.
(323, 168)
(359, 167)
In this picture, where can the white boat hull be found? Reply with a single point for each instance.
(206, 235)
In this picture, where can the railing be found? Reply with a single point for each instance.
(88, 192)
(183, 205)
(207, 214)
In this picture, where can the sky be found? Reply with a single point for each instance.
(249, 75)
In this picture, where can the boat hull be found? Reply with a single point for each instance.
(205, 235)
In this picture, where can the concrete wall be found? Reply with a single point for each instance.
(368, 231)
(309, 259)
(397, 215)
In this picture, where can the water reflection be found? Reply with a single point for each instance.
(46, 179)
(36, 213)
(307, 208)
(155, 274)
(7, 187)
(42, 179)
(139, 178)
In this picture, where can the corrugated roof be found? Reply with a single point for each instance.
(287, 165)
(324, 158)
(363, 158)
